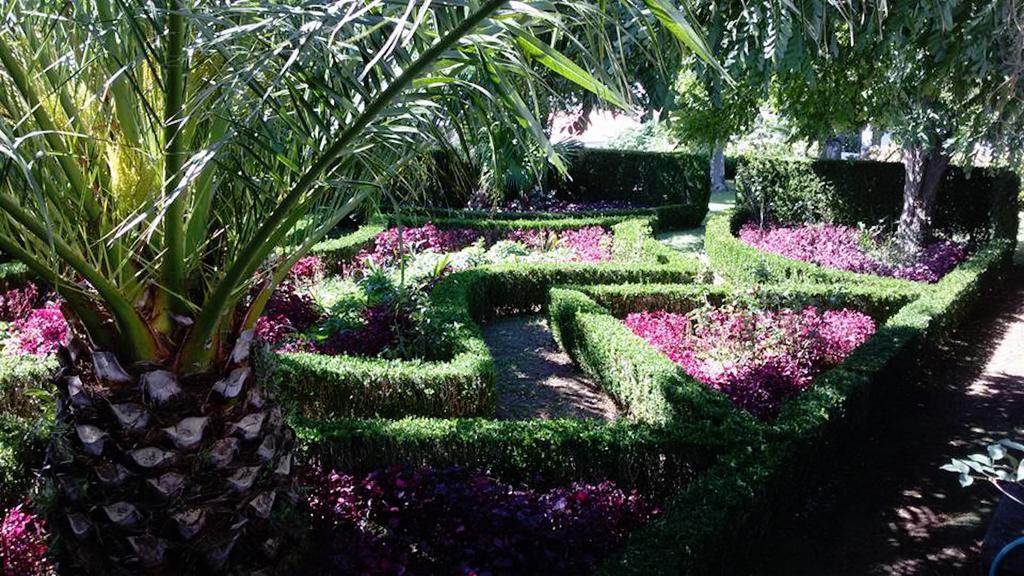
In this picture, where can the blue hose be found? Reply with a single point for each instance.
(1002, 554)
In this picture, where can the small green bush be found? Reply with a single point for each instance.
(783, 192)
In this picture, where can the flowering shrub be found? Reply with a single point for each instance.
(374, 307)
(307, 270)
(757, 358)
(841, 247)
(427, 237)
(23, 544)
(591, 244)
(456, 521)
(17, 303)
(382, 326)
(41, 332)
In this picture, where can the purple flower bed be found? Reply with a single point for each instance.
(23, 544)
(757, 358)
(841, 247)
(40, 332)
(455, 521)
(588, 244)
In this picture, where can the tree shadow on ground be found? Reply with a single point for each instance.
(883, 506)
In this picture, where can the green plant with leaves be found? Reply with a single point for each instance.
(164, 164)
(997, 465)
(942, 76)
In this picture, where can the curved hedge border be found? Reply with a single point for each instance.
(461, 384)
(763, 477)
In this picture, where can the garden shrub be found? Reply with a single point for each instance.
(26, 411)
(433, 521)
(742, 263)
(651, 178)
(783, 192)
(978, 202)
(336, 251)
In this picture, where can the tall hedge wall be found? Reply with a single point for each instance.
(981, 202)
(652, 178)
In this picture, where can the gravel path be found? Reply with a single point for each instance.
(886, 508)
(536, 379)
(691, 240)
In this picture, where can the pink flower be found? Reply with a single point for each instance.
(23, 544)
(41, 332)
(591, 244)
(757, 358)
(16, 303)
(307, 270)
(840, 247)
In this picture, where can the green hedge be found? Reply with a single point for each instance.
(653, 458)
(706, 523)
(652, 178)
(979, 202)
(667, 217)
(741, 263)
(461, 383)
(24, 421)
(336, 251)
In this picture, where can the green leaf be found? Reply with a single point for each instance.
(679, 25)
(560, 64)
(966, 480)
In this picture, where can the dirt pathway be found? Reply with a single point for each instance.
(887, 508)
(536, 379)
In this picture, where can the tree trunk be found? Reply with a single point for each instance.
(718, 169)
(924, 169)
(155, 474)
(832, 147)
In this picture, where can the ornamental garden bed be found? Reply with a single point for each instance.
(705, 524)
(449, 370)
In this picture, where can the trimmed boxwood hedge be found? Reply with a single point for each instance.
(980, 202)
(461, 383)
(664, 217)
(652, 178)
(706, 522)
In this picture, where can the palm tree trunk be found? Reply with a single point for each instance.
(925, 168)
(159, 474)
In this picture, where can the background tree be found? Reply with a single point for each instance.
(163, 166)
(941, 76)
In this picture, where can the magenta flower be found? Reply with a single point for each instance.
(307, 270)
(840, 247)
(41, 332)
(23, 544)
(456, 521)
(757, 358)
(17, 303)
(590, 244)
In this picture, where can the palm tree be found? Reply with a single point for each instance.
(163, 166)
